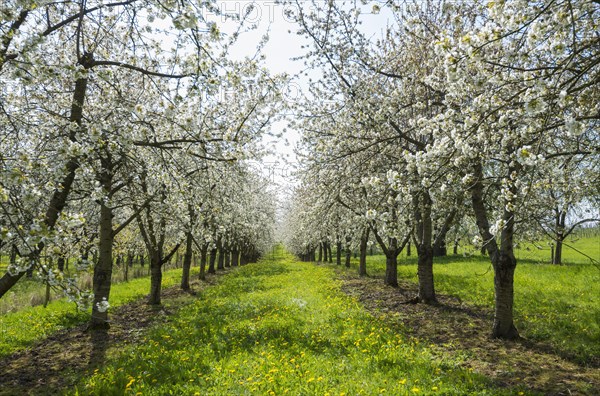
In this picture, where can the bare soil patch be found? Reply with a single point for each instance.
(456, 328)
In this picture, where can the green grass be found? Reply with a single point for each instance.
(279, 327)
(575, 251)
(559, 305)
(21, 329)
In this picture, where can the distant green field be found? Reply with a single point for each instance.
(555, 304)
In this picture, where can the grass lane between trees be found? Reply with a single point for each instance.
(280, 327)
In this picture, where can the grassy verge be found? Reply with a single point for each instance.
(20, 329)
(279, 327)
(559, 305)
(31, 292)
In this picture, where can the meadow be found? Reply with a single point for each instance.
(280, 327)
(555, 304)
(286, 327)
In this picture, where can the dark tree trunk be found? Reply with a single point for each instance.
(559, 235)
(221, 257)
(391, 251)
(440, 249)
(130, 257)
(211, 261)
(325, 251)
(221, 260)
(30, 272)
(455, 250)
(408, 251)
(425, 273)
(439, 244)
(330, 253)
(155, 279)
(558, 251)
(12, 257)
(338, 253)
(391, 269)
(503, 259)
(103, 268)
(504, 271)
(348, 251)
(227, 258)
(348, 257)
(187, 262)
(362, 265)
(424, 226)
(235, 257)
(320, 257)
(203, 254)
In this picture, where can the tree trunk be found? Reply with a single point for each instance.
(103, 269)
(203, 254)
(325, 251)
(559, 235)
(362, 265)
(235, 257)
(221, 257)
(408, 251)
(348, 251)
(558, 251)
(320, 257)
(439, 248)
(338, 253)
(348, 256)
(330, 253)
(424, 226)
(155, 279)
(12, 257)
(227, 258)
(130, 257)
(503, 259)
(504, 271)
(391, 268)
(425, 273)
(439, 244)
(187, 262)
(211, 261)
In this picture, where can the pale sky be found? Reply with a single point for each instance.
(283, 45)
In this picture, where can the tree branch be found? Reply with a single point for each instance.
(138, 69)
(132, 217)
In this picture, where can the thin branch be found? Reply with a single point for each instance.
(139, 69)
(132, 217)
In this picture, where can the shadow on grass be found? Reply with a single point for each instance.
(247, 314)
